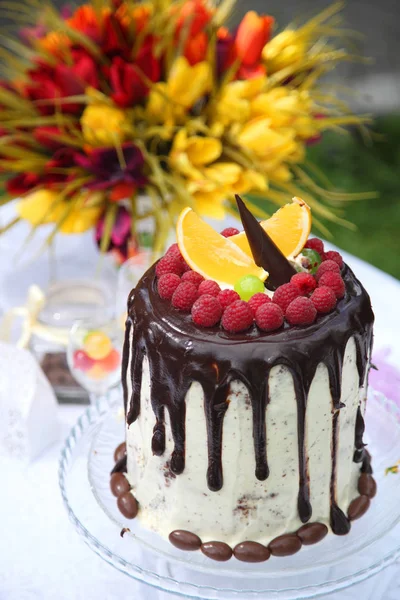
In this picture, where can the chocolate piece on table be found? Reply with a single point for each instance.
(285, 545)
(265, 252)
(120, 451)
(128, 505)
(311, 533)
(185, 540)
(367, 485)
(119, 484)
(217, 551)
(358, 507)
(251, 552)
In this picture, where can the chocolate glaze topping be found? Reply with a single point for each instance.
(180, 353)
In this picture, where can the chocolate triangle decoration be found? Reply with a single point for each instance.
(265, 252)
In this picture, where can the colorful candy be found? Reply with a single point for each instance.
(111, 362)
(82, 361)
(97, 345)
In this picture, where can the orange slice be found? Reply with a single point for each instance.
(210, 254)
(289, 228)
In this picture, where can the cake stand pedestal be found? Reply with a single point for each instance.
(333, 565)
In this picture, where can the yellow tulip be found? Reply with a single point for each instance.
(46, 206)
(169, 102)
(287, 108)
(188, 154)
(258, 136)
(284, 50)
(224, 174)
(233, 103)
(103, 125)
(38, 207)
(210, 204)
(81, 219)
(251, 180)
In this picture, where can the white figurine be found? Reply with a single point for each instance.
(28, 406)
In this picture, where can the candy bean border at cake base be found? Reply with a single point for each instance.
(248, 550)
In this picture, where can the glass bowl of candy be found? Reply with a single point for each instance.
(94, 355)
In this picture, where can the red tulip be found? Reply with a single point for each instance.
(47, 137)
(115, 36)
(196, 48)
(194, 12)
(128, 87)
(22, 183)
(252, 35)
(55, 83)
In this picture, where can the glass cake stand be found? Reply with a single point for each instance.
(333, 564)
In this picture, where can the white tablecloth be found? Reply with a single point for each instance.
(41, 556)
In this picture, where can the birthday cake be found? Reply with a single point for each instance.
(245, 372)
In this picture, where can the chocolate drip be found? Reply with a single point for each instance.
(215, 413)
(335, 377)
(260, 402)
(265, 252)
(158, 439)
(136, 380)
(359, 433)
(303, 500)
(180, 353)
(366, 465)
(125, 361)
(339, 522)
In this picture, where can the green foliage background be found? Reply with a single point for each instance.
(355, 165)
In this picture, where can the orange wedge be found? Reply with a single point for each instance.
(210, 254)
(289, 228)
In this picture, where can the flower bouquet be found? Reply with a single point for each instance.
(119, 101)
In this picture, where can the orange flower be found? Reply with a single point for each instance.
(141, 15)
(196, 13)
(85, 19)
(196, 48)
(55, 43)
(252, 35)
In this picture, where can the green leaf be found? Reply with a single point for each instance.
(109, 222)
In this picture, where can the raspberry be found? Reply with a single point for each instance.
(167, 284)
(226, 297)
(169, 264)
(333, 281)
(301, 311)
(305, 282)
(206, 311)
(258, 300)
(315, 244)
(229, 231)
(193, 277)
(284, 295)
(174, 251)
(324, 299)
(269, 316)
(327, 265)
(238, 316)
(209, 287)
(335, 256)
(184, 296)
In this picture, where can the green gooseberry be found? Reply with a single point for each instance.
(314, 259)
(248, 285)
